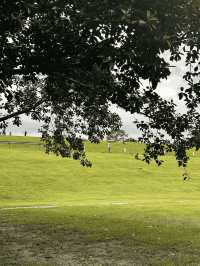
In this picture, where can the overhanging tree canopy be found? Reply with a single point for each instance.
(65, 62)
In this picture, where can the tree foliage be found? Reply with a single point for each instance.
(117, 135)
(64, 62)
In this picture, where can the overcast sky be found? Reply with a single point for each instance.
(167, 89)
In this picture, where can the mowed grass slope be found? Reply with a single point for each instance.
(119, 212)
(29, 176)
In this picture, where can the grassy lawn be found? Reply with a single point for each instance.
(119, 212)
(19, 139)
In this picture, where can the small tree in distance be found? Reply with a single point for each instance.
(117, 135)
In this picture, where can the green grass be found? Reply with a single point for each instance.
(19, 139)
(157, 225)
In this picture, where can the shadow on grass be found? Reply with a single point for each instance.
(96, 236)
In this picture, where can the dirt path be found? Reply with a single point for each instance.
(57, 206)
(29, 207)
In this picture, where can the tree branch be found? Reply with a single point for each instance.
(23, 111)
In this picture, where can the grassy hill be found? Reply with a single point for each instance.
(18, 139)
(119, 212)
